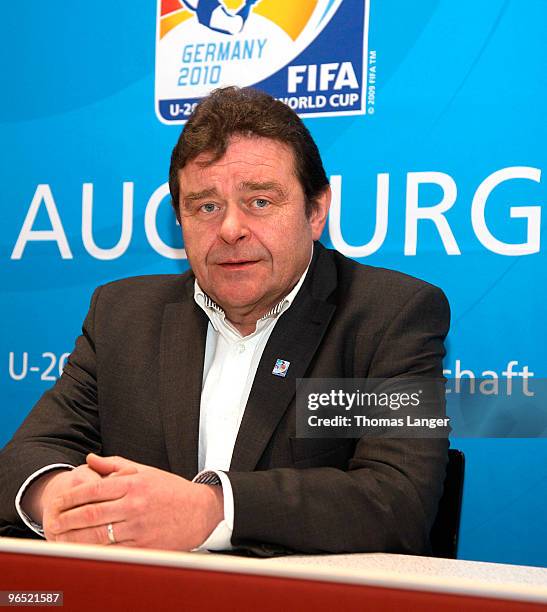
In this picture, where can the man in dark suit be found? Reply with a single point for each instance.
(175, 376)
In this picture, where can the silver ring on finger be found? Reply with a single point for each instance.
(110, 532)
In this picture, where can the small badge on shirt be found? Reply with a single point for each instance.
(281, 367)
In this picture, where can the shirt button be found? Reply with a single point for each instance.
(241, 348)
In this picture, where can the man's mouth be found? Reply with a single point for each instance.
(237, 264)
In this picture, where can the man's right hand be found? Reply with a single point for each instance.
(36, 501)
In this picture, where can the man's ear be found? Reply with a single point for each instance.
(318, 216)
(177, 217)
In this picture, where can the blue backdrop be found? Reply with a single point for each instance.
(437, 173)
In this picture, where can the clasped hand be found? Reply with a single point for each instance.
(147, 507)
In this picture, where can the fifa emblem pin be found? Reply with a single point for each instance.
(281, 368)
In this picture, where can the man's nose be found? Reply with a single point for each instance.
(234, 224)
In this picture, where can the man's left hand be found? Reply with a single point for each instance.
(147, 507)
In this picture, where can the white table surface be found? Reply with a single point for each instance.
(479, 579)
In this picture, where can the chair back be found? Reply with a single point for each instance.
(446, 528)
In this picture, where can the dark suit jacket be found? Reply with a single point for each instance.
(132, 388)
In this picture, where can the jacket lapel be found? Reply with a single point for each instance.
(182, 352)
(295, 338)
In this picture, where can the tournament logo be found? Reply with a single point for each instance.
(311, 54)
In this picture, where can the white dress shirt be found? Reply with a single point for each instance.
(229, 369)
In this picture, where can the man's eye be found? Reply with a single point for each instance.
(260, 203)
(209, 207)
